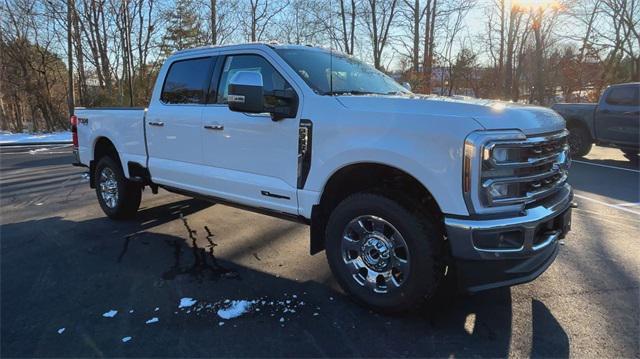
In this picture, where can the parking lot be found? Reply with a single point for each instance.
(64, 264)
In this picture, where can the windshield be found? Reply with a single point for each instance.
(349, 76)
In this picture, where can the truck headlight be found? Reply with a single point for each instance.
(500, 154)
(499, 190)
(504, 170)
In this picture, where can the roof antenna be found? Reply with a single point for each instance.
(331, 48)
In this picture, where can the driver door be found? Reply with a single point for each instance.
(250, 158)
(618, 116)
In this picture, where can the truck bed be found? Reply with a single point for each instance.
(123, 125)
(583, 111)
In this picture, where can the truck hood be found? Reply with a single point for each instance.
(490, 114)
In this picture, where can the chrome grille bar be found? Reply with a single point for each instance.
(534, 168)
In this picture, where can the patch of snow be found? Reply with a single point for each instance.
(236, 309)
(28, 138)
(61, 330)
(220, 324)
(126, 339)
(131, 311)
(157, 309)
(110, 314)
(315, 314)
(186, 302)
(226, 309)
(33, 152)
(281, 320)
(152, 320)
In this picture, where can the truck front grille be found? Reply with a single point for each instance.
(524, 171)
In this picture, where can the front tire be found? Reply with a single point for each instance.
(580, 141)
(118, 197)
(386, 252)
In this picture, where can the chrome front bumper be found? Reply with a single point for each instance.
(521, 249)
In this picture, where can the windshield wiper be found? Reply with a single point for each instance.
(397, 93)
(355, 93)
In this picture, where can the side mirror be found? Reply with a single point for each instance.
(245, 92)
(406, 85)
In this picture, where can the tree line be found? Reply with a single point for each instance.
(533, 51)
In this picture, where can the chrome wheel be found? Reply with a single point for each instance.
(108, 187)
(375, 254)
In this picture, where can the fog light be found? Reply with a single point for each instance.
(489, 240)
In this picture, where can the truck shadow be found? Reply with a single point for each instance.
(60, 273)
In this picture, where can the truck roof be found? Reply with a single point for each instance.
(625, 84)
(245, 46)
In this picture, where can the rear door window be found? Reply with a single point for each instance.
(187, 81)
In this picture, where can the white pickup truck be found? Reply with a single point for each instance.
(402, 191)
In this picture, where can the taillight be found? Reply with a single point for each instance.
(74, 129)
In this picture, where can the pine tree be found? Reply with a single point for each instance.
(184, 28)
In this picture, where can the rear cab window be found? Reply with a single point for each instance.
(187, 81)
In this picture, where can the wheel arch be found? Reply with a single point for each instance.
(573, 121)
(103, 146)
(367, 176)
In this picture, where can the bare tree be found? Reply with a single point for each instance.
(348, 25)
(33, 78)
(587, 14)
(259, 16)
(304, 22)
(221, 20)
(429, 43)
(70, 20)
(455, 16)
(623, 18)
(413, 12)
(379, 17)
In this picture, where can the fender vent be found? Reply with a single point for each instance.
(305, 132)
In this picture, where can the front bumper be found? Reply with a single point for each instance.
(491, 253)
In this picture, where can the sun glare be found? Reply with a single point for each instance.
(535, 4)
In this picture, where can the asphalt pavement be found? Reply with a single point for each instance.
(65, 268)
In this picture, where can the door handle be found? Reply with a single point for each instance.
(156, 123)
(631, 113)
(214, 127)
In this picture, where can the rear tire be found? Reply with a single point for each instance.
(580, 141)
(118, 197)
(385, 251)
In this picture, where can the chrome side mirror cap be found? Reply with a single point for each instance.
(246, 92)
